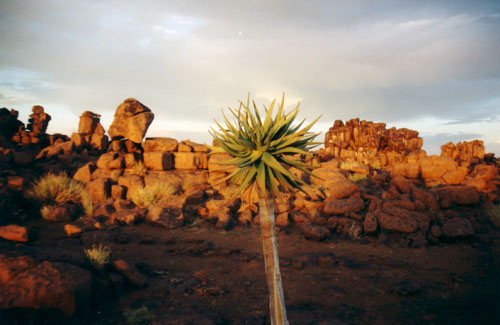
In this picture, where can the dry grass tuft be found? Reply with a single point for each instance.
(59, 189)
(98, 255)
(140, 169)
(139, 316)
(356, 177)
(148, 197)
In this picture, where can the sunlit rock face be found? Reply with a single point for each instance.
(132, 120)
(372, 143)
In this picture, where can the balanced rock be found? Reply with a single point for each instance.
(131, 121)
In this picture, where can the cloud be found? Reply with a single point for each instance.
(186, 60)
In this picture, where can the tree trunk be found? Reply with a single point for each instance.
(273, 276)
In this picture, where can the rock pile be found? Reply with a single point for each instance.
(464, 153)
(9, 125)
(372, 143)
(90, 133)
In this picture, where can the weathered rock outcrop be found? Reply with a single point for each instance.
(372, 143)
(464, 153)
(132, 120)
(90, 133)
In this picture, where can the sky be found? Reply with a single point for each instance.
(432, 66)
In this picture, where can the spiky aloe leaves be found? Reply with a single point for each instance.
(262, 149)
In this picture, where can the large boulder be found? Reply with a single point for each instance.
(460, 195)
(14, 233)
(131, 121)
(160, 144)
(343, 206)
(26, 283)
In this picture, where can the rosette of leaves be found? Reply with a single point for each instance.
(263, 150)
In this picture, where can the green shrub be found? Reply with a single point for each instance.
(59, 189)
(494, 214)
(139, 316)
(148, 197)
(98, 255)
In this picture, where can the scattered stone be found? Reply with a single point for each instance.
(72, 230)
(128, 216)
(370, 223)
(168, 217)
(457, 227)
(403, 224)
(15, 183)
(66, 212)
(316, 233)
(343, 206)
(461, 195)
(130, 273)
(14, 233)
(25, 283)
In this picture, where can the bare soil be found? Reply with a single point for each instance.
(197, 275)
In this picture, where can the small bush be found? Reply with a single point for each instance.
(494, 214)
(139, 316)
(148, 197)
(357, 177)
(98, 255)
(57, 190)
(46, 210)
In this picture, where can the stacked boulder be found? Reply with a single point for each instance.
(131, 121)
(167, 153)
(372, 143)
(464, 153)
(9, 124)
(35, 131)
(90, 133)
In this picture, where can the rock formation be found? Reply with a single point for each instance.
(90, 133)
(372, 143)
(131, 121)
(9, 124)
(464, 153)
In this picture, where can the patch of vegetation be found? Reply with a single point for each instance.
(494, 214)
(98, 255)
(46, 210)
(139, 316)
(348, 164)
(315, 214)
(57, 190)
(140, 169)
(148, 197)
(376, 164)
(356, 177)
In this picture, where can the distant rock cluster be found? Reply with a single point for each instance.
(371, 143)
(370, 178)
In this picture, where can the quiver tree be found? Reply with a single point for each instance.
(263, 151)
